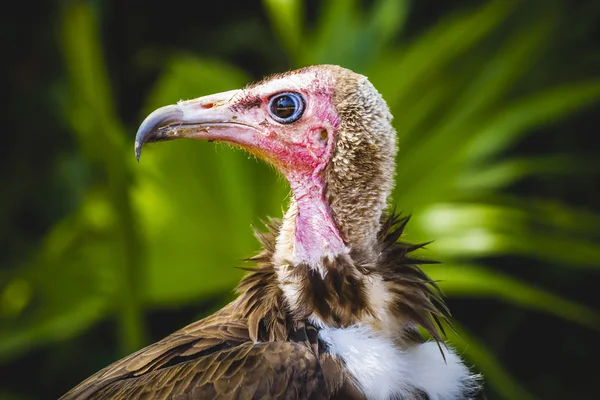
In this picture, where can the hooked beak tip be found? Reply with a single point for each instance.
(138, 150)
(151, 128)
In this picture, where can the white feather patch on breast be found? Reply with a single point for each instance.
(383, 371)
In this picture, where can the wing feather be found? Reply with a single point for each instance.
(274, 370)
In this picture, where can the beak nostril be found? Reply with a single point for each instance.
(207, 105)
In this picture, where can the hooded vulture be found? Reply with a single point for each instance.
(331, 307)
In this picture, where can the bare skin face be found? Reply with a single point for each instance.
(290, 122)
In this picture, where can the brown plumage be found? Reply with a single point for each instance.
(334, 265)
(238, 352)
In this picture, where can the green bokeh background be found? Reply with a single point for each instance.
(496, 107)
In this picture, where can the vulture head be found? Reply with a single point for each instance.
(326, 129)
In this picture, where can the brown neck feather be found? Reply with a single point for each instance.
(360, 175)
(341, 298)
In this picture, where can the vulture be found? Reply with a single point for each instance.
(331, 307)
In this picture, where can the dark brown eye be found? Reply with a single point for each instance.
(286, 108)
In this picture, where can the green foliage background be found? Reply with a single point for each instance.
(495, 104)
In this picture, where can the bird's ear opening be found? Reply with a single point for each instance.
(319, 137)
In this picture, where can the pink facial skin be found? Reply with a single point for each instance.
(300, 150)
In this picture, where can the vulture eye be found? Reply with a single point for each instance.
(287, 107)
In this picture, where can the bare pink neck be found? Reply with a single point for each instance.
(315, 235)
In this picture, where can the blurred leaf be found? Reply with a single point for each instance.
(387, 20)
(337, 30)
(487, 229)
(470, 280)
(286, 18)
(537, 110)
(349, 36)
(401, 74)
(572, 221)
(100, 134)
(70, 284)
(445, 142)
(504, 173)
(553, 249)
(89, 83)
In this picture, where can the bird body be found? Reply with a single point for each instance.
(332, 306)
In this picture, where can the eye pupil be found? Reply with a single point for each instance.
(286, 108)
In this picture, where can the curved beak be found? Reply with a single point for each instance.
(207, 118)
